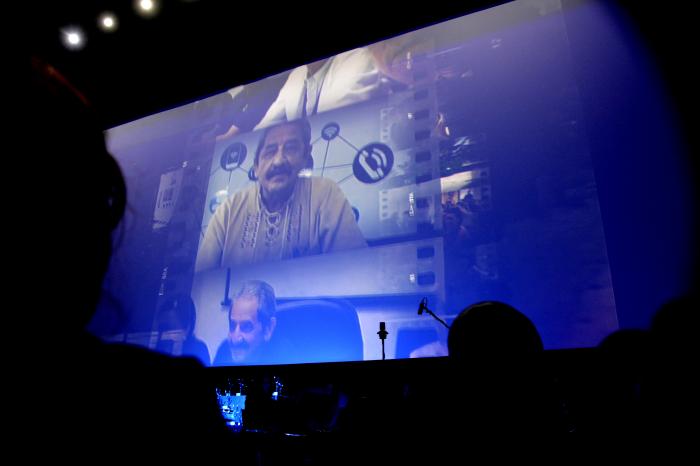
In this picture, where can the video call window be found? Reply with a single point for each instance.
(298, 212)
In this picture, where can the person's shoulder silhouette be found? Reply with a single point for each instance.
(668, 393)
(89, 392)
(675, 324)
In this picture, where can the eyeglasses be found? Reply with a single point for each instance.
(246, 326)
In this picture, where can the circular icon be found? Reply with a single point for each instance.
(330, 131)
(234, 156)
(217, 200)
(373, 163)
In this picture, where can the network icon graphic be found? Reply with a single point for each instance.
(371, 163)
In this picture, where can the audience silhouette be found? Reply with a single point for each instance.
(669, 392)
(90, 395)
(498, 382)
(127, 397)
(605, 392)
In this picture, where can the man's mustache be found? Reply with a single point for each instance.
(240, 346)
(279, 170)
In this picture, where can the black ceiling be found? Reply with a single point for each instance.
(195, 48)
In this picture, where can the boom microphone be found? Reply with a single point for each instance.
(423, 306)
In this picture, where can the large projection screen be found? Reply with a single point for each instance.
(451, 163)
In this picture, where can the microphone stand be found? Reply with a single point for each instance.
(227, 299)
(382, 336)
(425, 308)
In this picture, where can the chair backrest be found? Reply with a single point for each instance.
(317, 331)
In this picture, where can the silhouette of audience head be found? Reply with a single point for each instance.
(669, 390)
(498, 373)
(492, 329)
(625, 351)
(674, 326)
(111, 392)
(609, 400)
(86, 193)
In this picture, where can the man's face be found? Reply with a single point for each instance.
(280, 160)
(246, 333)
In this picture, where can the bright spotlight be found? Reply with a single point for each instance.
(146, 8)
(107, 22)
(73, 38)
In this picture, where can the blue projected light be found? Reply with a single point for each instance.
(459, 162)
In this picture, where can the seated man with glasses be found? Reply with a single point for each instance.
(252, 322)
(284, 214)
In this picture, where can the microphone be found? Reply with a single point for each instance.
(226, 303)
(382, 336)
(382, 331)
(423, 306)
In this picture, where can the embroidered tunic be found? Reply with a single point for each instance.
(316, 219)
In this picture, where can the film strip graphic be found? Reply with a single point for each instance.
(412, 131)
(178, 210)
(409, 123)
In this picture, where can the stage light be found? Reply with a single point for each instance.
(107, 22)
(73, 38)
(146, 8)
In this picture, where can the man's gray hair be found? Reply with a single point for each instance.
(265, 295)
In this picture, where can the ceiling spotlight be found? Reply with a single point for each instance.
(107, 22)
(146, 8)
(73, 38)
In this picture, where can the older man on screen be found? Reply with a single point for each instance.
(252, 322)
(283, 215)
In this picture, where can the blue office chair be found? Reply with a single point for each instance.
(319, 330)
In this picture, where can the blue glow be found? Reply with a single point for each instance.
(482, 160)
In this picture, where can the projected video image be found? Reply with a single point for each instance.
(347, 221)
(354, 178)
(297, 213)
